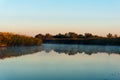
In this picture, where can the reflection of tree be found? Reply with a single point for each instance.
(87, 49)
(7, 52)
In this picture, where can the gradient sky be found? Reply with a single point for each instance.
(59, 16)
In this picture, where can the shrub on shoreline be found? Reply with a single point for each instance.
(11, 39)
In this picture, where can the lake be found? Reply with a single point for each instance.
(60, 62)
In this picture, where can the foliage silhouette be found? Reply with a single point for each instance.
(74, 38)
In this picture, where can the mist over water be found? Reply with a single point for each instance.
(60, 62)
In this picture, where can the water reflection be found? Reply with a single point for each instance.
(47, 64)
(7, 52)
(87, 49)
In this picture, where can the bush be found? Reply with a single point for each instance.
(10, 39)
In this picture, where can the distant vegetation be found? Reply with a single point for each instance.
(10, 39)
(74, 38)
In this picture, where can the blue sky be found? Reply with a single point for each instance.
(59, 16)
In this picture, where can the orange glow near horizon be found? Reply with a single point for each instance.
(32, 17)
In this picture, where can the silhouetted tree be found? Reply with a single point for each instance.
(81, 36)
(115, 36)
(72, 35)
(60, 36)
(109, 35)
(40, 36)
(88, 35)
(48, 36)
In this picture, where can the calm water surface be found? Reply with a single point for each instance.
(60, 62)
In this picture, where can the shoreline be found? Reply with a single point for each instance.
(104, 41)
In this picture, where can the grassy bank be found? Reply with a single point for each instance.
(11, 39)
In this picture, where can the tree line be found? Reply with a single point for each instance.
(11, 39)
(73, 35)
(74, 38)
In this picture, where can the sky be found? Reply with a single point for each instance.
(31, 17)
